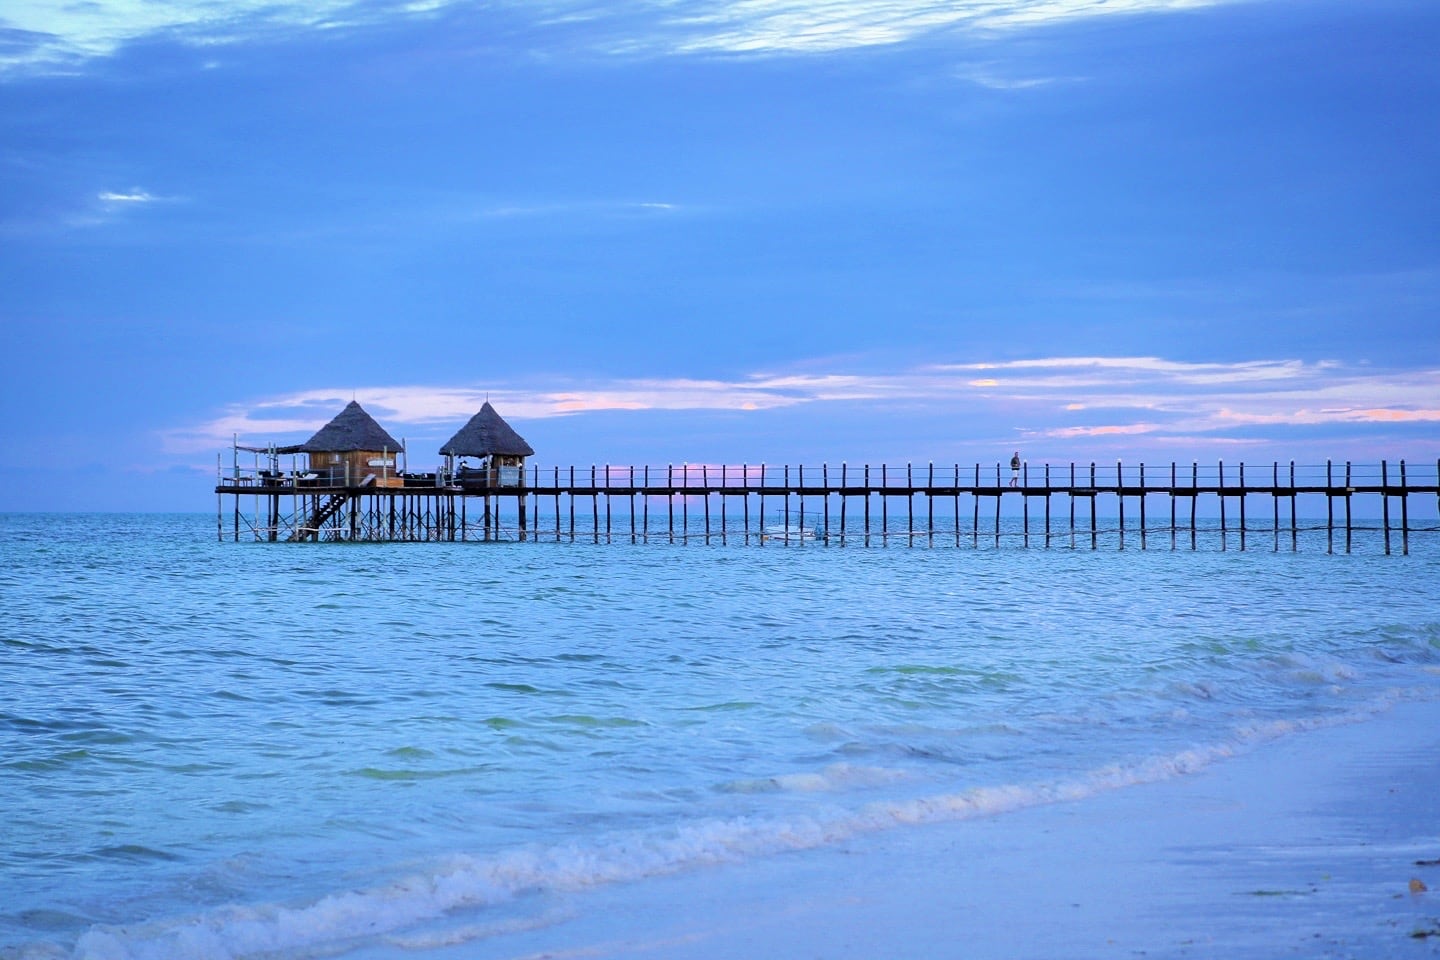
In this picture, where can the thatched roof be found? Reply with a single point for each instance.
(352, 429)
(485, 435)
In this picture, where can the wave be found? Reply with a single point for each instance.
(434, 906)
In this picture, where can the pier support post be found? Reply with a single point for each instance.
(825, 500)
(1404, 514)
(1047, 506)
(1120, 496)
(1329, 508)
(975, 520)
(1242, 505)
(867, 504)
(884, 505)
(998, 492)
(1385, 502)
(1094, 535)
(1194, 500)
(1295, 531)
(1172, 505)
(1349, 489)
(1025, 504)
(1221, 485)
(1142, 506)
(1072, 504)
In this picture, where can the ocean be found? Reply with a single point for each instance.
(273, 750)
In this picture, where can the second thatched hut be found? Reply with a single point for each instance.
(498, 451)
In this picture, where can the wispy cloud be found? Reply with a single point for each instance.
(84, 211)
(990, 80)
(1062, 398)
(593, 208)
(47, 34)
(132, 196)
(758, 26)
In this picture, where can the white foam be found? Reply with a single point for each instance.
(835, 777)
(397, 912)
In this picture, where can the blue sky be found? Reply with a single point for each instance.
(650, 232)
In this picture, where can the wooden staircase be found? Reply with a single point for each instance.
(323, 512)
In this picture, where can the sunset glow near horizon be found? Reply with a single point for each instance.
(874, 230)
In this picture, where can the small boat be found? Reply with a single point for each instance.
(790, 533)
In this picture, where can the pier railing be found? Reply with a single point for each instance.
(923, 477)
(662, 479)
(850, 503)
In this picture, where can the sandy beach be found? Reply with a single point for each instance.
(1304, 846)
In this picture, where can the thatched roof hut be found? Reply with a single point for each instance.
(487, 435)
(351, 431)
(351, 448)
(501, 450)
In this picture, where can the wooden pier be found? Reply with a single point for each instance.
(1190, 506)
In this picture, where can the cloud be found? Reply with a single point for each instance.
(594, 208)
(761, 26)
(1062, 398)
(44, 34)
(992, 82)
(135, 195)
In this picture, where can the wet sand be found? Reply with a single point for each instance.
(1304, 846)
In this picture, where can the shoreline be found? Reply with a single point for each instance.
(1301, 846)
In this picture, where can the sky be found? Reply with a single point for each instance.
(667, 231)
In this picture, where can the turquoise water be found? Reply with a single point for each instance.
(295, 750)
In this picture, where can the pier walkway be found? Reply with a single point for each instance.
(1173, 505)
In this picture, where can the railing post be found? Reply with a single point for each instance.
(1329, 508)
(1220, 482)
(1142, 504)
(1275, 501)
(1349, 527)
(1295, 533)
(1404, 513)
(1120, 495)
(825, 498)
(930, 504)
(1242, 504)
(1094, 534)
(1385, 502)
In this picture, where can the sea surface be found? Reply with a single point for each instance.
(246, 750)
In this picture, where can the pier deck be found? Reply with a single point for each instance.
(841, 505)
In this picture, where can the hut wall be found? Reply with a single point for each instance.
(336, 469)
(497, 471)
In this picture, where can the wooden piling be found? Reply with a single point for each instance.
(867, 504)
(1047, 506)
(1348, 491)
(1120, 496)
(441, 512)
(1071, 498)
(884, 507)
(1404, 514)
(975, 496)
(1025, 504)
(930, 505)
(1142, 505)
(1385, 502)
(998, 489)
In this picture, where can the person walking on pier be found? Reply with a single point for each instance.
(1015, 469)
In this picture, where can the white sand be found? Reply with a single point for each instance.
(1304, 847)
